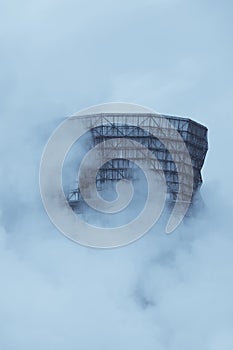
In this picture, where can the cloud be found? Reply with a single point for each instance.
(164, 292)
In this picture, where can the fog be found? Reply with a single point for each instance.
(164, 292)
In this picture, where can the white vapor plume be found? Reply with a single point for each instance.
(165, 292)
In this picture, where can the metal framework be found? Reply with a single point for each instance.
(112, 126)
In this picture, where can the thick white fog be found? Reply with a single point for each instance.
(162, 292)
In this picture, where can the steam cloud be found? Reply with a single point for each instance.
(162, 292)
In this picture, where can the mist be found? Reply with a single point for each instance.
(165, 292)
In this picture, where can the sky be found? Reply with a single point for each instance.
(162, 292)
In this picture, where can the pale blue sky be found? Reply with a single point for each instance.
(174, 56)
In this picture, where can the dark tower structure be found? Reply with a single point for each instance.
(118, 125)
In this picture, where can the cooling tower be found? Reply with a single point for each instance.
(141, 127)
